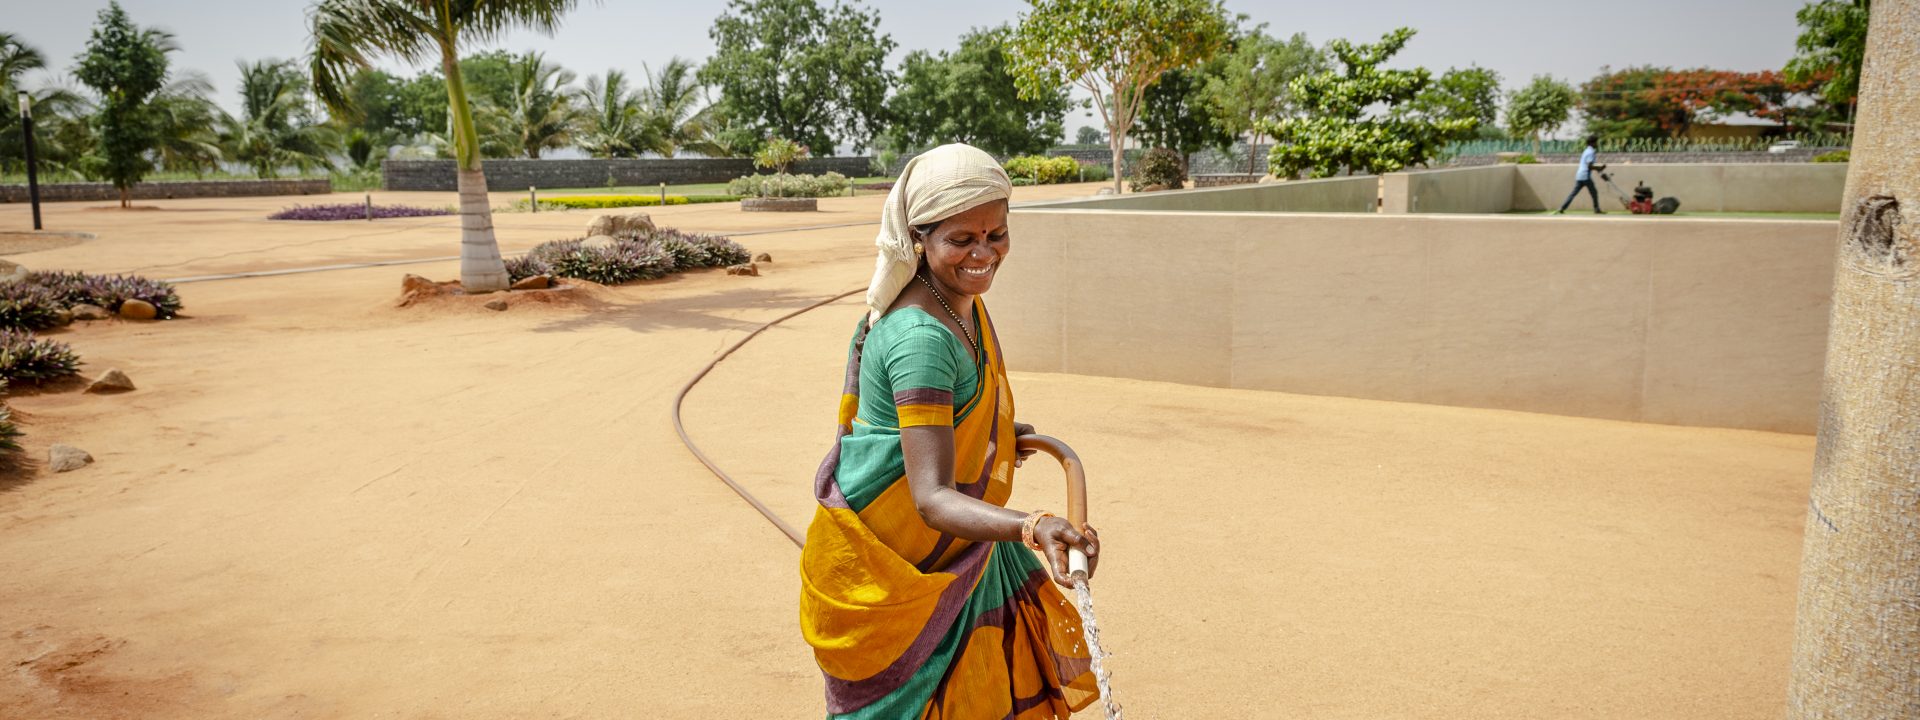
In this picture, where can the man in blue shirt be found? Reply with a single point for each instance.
(1583, 177)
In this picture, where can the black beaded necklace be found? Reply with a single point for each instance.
(950, 313)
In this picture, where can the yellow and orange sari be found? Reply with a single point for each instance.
(907, 621)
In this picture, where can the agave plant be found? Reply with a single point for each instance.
(25, 358)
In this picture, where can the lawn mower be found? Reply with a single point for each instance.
(1642, 202)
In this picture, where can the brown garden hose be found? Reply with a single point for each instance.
(1076, 475)
(792, 534)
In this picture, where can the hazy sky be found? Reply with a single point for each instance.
(1517, 38)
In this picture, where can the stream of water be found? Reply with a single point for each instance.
(1084, 598)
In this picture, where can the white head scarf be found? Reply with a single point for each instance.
(936, 185)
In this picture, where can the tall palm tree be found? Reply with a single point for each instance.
(276, 126)
(184, 117)
(676, 108)
(542, 115)
(614, 120)
(348, 33)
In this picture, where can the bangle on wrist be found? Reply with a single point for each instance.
(1027, 527)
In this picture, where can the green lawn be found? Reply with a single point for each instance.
(696, 189)
(1834, 216)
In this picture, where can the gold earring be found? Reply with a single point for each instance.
(918, 249)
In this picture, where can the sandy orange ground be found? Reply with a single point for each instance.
(318, 505)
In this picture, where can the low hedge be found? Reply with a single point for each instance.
(603, 202)
(1042, 170)
(785, 185)
(656, 255)
(1836, 156)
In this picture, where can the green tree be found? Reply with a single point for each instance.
(1540, 108)
(1472, 92)
(1339, 133)
(538, 112)
(614, 122)
(1251, 85)
(1089, 135)
(1174, 114)
(1628, 104)
(348, 33)
(793, 69)
(56, 111)
(125, 66)
(676, 110)
(968, 96)
(1831, 46)
(185, 125)
(1115, 49)
(276, 127)
(423, 105)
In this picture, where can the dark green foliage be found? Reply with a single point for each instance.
(1160, 166)
(25, 358)
(968, 96)
(125, 65)
(1472, 92)
(793, 69)
(1836, 156)
(27, 306)
(1831, 48)
(107, 291)
(1174, 114)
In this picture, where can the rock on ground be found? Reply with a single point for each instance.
(61, 458)
(496, 304)
(598, 241)
(138, 310)
(84, 311)
(763, 257)
(112, 381)
(533, 282)
(744, 269)
(622, 225)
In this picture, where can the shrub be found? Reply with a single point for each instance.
(1044, 170)
(354, 211)
(1097, 173)
(25, 358)
(1160, 166)
(1520, 159)
(526, 266)
(778, 155)
(602, 202)
(624, 261)
(107, 291)
(26, 306)
(784, 185)
(9, 438)
(692, 251)
(1836, 156)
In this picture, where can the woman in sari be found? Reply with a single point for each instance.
(917, 594)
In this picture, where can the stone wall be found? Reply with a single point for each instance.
(60, 192)
(592, 173)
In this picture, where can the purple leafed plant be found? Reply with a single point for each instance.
(350, 211)
(107, 291)
(25, 358)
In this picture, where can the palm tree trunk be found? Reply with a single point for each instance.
(481, 269)
(1856, 651)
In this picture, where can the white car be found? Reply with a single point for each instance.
(1783, 146)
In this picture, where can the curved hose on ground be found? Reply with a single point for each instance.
(795, 535)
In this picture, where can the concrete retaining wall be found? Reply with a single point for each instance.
(593, 173)
(1466, 190)
(1707, 322)
(60, 192)
(1347, 194)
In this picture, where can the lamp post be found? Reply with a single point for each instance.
(33, 178)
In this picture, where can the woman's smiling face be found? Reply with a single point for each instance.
(964, 251)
